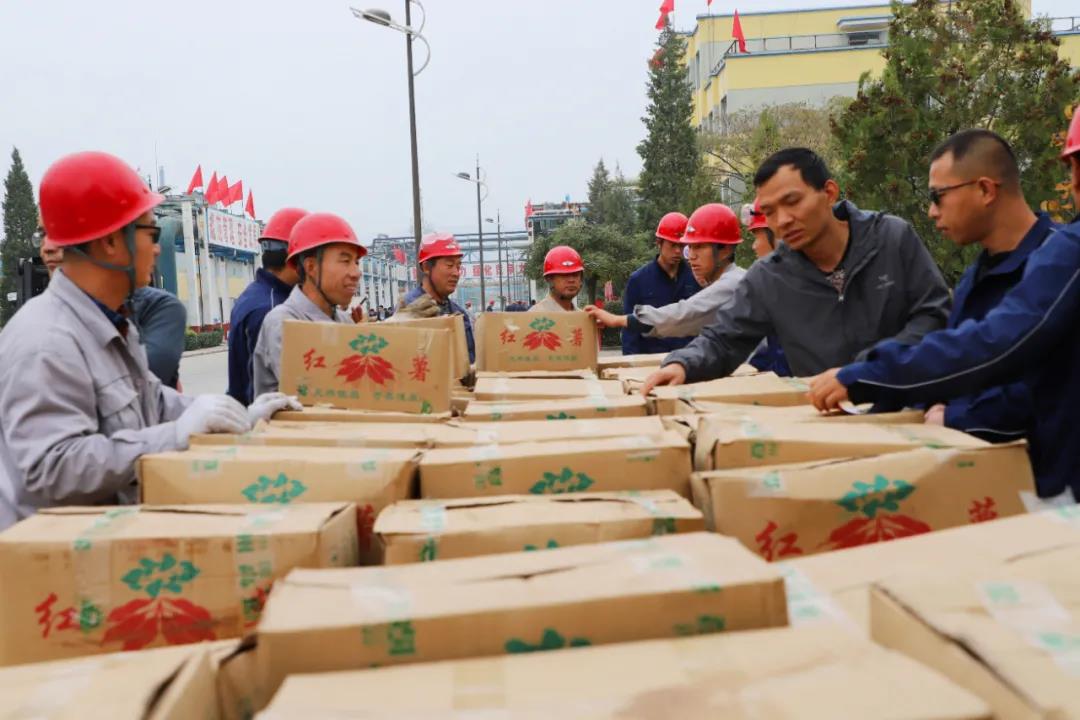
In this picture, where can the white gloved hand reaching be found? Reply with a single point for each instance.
(211, 414)
(264, 406)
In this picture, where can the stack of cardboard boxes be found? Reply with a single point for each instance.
(548, 508)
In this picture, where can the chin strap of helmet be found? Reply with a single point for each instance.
(318, 282)
(129, 269)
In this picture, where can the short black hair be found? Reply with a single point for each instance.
(810, 165)
(983, 152)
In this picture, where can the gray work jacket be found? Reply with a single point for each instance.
(266, 364)
(689, 315)
(893, 291)
(78, 406)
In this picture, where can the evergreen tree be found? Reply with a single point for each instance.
(968, 64)
(670, 154)
(20, 223)
(599, 187)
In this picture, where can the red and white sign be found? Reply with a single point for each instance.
(472, 270)
(232, 231)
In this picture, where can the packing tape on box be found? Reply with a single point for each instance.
(380, 594)
(480, 685)
(642, 447)
(374, 459)
(1029, 608)
(767, 484)
(433, 517)
(53, 693)
(483, 453)
(254, 561)
(91, 561)
(807, 605)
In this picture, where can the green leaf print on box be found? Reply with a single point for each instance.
(550, 640)
(563, 482)
(281, 489)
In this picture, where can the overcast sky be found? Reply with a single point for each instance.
(309, 107)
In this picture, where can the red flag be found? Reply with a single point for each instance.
(667, 6)
(661, 23)
(196, 180)
(708, 3)
(249, 207)
(399, 255)
(737, 33)
(222, 195)
(657, 58)
(528, 209)
(236, 193)
(212, 189)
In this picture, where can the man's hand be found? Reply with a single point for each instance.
(826, 392)
(265, 405)
(605, 319)
(673, 374)
(935, 415)
(357, 314)
(421, 307)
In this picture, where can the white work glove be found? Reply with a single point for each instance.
(264, 406)
(211, 414)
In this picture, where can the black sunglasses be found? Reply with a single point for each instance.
(155, 231)
(935, 194)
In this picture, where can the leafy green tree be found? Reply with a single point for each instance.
(20, 222)
(971, 63)
(599, 187)
(607, 252)
(670, 154)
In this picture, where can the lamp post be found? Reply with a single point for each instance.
(479, 225)
(381, 17)
(498, 229)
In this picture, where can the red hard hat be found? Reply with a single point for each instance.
(281, 224)
(88, 195)
(1072, 139)
(437, 245)
(318, 229)
(671, 227)
(752, 217)
(712, 223)
(562, 260)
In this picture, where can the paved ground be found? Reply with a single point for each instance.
(209, 372)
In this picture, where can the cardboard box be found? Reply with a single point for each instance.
(325, 413)
(759, 389)
(794, 413)
(372, 366)
(630, 361)
(584, 374)
(635, 462)
(424, 530)
(517, 389)
(460, 365)
(722, 443)
(776, 673)
(559, 409)
(834, 587)
(1009, 633)
(174, 683)
(785, 511)
(637, 374)
(239, 692)
(669, 586)
(509, 341)
(371, 478)
(98, 579)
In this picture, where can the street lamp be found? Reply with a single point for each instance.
(381, 17)
(498, 228)
(479, 225)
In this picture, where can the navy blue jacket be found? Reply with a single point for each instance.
(1032, 335)
(162, 320)
(1001, 413)
(771, 358)
(650, 285)
(449, 308)
(245, 321)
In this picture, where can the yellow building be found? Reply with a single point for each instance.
(799, 56)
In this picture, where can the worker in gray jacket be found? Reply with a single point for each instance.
(843, 280)
(712, 234)
(78, 403)
(326, 254)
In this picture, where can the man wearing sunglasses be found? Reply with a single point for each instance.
(78, 403)
(1030, 335)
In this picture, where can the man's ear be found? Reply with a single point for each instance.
(832, 190)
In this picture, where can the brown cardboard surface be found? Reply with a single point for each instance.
(455, 324)
(504, 389)
(793, 413)
(728, 443)
(834, 587)
(559, 409)
(325, 413)
(775, 673)
(786, 511)
(163, 684)
(371, 478)
(634, 462)
(1008, 632)
(759, 389)
(509, 341)
(101, 579)
(685, 584)
(628, 361)
(637, 374)
(371, 366)
(238, 690)
(424, 530)
(584, 374)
